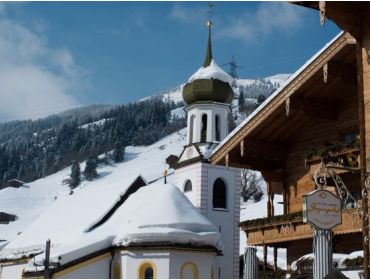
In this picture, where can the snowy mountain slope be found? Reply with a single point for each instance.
(29, 202)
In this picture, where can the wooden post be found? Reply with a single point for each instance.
(272, 205)
(363, 167)
(268, 200)
(275, 258)
(285, 201)
(47, 260)
(165, 172)
(264, 257)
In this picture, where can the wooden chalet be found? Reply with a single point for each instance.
(314, 115)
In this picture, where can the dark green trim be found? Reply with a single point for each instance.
(170, 246)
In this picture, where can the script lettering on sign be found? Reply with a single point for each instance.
(322, 209)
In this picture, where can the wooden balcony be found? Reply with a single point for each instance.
(286, 228)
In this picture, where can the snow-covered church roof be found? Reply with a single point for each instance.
(158, 213)
(213, 71)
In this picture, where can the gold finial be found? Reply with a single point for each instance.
(208, 58)
(209, 12)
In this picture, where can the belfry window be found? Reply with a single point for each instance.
(219, 194)
(217, 124)
(203, 133)
(188, 186)
(191, 129)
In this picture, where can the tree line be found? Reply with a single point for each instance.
(30, 150)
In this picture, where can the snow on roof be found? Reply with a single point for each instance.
(276, 93)
(155, 213)
(213, 71)
(337, 258)
(71, 215)
(164, 214)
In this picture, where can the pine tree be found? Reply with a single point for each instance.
(118, 153)
(90, 169)
(75, 175)
(241, 101)
(260, 99)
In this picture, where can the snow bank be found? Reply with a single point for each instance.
(213, 71)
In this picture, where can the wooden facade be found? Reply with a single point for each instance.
(316, 113)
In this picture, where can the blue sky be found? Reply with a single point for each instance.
(59, 55)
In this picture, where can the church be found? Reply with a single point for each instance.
(186, 229)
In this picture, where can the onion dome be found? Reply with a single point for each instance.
(210, 83)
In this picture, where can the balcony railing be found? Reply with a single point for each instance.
(285, 228)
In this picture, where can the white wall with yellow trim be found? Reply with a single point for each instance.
(12, 270)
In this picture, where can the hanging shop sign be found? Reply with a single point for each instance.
(322, 209)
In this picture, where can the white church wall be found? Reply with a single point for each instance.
(182, 264)
(12, 271)
(97, 268)
(193, 173)
(132, 261)
(226, 220)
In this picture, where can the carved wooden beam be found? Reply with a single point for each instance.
(242, 148)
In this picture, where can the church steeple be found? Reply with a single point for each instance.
(208, 96)
(208, 58)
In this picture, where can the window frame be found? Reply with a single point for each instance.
(225, 195)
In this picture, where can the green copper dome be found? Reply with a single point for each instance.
(210, 83)
(211, 90)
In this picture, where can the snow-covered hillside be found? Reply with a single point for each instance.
(29, 201)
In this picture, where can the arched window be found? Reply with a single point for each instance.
(147, 270)
(219, 194)
(148, 273)
(189, 271)
(203, 132)
(191, 129)
(217, 124)
(188, 186)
